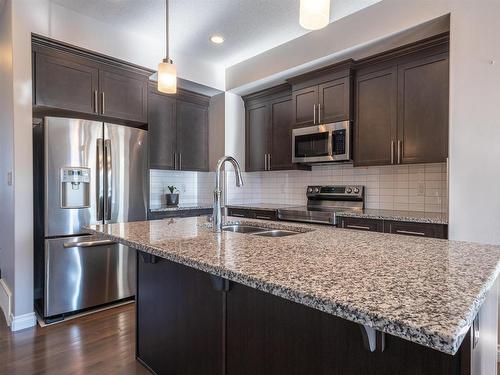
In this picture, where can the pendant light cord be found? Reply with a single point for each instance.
(166, 30)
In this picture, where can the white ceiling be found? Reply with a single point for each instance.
(248, 26)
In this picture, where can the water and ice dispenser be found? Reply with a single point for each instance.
(75, 187)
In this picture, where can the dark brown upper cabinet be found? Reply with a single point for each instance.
(401, 105)
(269, 124)
(65, 84)
(162, 130)
(178, 130)
(322, 96)
(375, 129)
(192, 136)
(73, 80)
(123, 95)
(423, 110)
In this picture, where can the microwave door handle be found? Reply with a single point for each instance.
(99, 180)
(109, 179)
(330, 144)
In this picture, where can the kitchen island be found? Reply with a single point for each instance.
(322, 301)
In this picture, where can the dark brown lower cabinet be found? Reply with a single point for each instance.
(180, 314)
(191, 323)
(253, 213)
(361, 224)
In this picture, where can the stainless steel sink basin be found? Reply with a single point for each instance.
(276, 233)
(258, 231)
(243, 228)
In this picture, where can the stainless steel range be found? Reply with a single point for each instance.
(323, 202)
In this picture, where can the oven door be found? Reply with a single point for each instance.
(312, 144)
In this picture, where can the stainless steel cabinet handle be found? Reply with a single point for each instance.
(103, 103)
(263, 217)
(175, 161)
(96, 104)
(392, 152)
(357, 227)
(109, 180)
(319, 113)
(400, 144)
(180, 161)
(99, 180)
(268, 162)
(67, 245)
(236, 215)
(410, 232)
(265, 162)
(314, 114)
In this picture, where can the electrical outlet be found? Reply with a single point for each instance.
(183, 188)
(421, 189)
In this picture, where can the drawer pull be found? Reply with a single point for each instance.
(237, 215)
(410, 232)
(263, 217)
(358, 227)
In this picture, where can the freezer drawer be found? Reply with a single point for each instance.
(84, 271)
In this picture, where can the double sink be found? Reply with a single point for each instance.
(258, 231)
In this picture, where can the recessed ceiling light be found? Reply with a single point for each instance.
(217, 39)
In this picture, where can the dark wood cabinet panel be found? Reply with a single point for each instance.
(123, 95)
(240, 212)
(192, 136)
(375, 126)
(258, 135)
(423, 110)
(371, 225)
(179, 318)
(268, 335)
(162, 130)
(65, 84)
(416, 229)
(281, 134)
(334, 100)
(304, 106)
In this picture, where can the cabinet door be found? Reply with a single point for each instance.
(258, 134)
(123, 95)
(416, 229)
(65, 84)
(372, 225)
(423, 110)
(375, 124)
(162, 130)
(192, 136)
(179, 318)
(334, 97)
(281, 140)
(304, 102)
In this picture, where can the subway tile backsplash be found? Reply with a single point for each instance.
(418, 187)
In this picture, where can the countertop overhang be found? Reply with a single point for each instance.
(424, 290)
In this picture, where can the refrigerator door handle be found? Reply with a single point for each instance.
(99, 180)
(109, 184)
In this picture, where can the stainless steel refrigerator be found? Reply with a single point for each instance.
(92, 173)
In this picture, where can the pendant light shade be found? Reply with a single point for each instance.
(314, 14)
(167, 72)
(167, 77)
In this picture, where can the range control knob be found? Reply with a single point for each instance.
(310, 190)
(348, 190)
(316, 190)
(356, 190)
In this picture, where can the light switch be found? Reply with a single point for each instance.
(9, 178)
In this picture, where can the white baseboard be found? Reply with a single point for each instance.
(5, 300)
(24, 321)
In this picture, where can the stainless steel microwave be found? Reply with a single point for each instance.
(322, 143)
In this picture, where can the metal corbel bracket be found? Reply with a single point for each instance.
(373, 340)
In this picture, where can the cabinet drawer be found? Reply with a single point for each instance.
(240, 212)
(265, 215)
(371, 225)
(416, 229)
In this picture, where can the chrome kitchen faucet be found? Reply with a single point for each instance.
(217, 212)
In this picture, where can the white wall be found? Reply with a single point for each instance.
(44, 18)
(6, 147)
(474, 95)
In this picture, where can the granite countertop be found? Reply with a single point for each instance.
(181, 208)
(411, 216)
(424, 290)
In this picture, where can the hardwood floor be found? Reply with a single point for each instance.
(101, 343)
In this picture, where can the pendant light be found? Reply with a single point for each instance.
(314, 14)
(167, 72)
